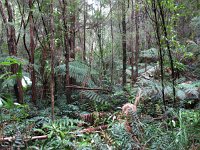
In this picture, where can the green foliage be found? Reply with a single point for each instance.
(123, 139)
(188, 91)
(61, 134)
(11, 61)
(150, 53)
(173, 134)
(9, 79)
(13, 111)
(92, 95)
(78, 71)
(195, 24)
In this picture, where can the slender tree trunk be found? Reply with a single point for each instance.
(168, 49)
(136, 38)
(52, 47)
(32, 50)
(157, 28)
(43, 72)
(63, 5)
(45, 47)
(72, 33)
(112, 39)
(12, 47)
(84, 32)
(132, 48)
(100, 48)
(124, 42)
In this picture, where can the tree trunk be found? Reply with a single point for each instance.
(124, 42)
(136, 38)
(67, 43)
(84, 32)
(52, 47)
(158, 37)
(164, 26)
(12, 47)
(112, 39)
(32, 50)
(132, 46)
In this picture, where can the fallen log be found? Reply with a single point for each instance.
(93, 129)
(86, 88)
(10, 139)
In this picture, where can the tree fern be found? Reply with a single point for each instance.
(150, 53)
(78, 71)
(190, 89)
(181, 94)
(91, 95)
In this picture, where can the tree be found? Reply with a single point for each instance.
(67, 43)
(8, 20)
(52, 48)
(123, 8)
(137, 37)
(32, 51)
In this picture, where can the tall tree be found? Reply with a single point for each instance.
(167, 42)
(84, 30)
(32, 51)
(137, 37)
(132, 45)
(52, 48)
(100, 38)
(8, 20)
(112, 40)
(158, 37)
(43, 30)
(124, 41)
(63, 5)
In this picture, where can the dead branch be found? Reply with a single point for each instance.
(92, 129)
(10, 139)
(86, 88)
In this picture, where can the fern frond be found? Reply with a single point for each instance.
(181, 94)
(78, 71)
(193, 91)
(150, 53)
(91, 95)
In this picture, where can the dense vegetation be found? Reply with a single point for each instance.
(100, 74)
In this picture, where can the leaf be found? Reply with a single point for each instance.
(39, 130)
(193, 91)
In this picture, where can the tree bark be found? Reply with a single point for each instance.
(63, 5)
(84, 32)
(157, 28)
(164, 26)
(136, 38)
(12, 47)
(132, 47)
(124, 42)
(112, 39)
(52, 47)
(32, 50)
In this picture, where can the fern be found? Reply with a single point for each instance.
(91, 95)
(122, 138)
(78, 71)
(189, 89)
(181, 94)
(150, 53)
